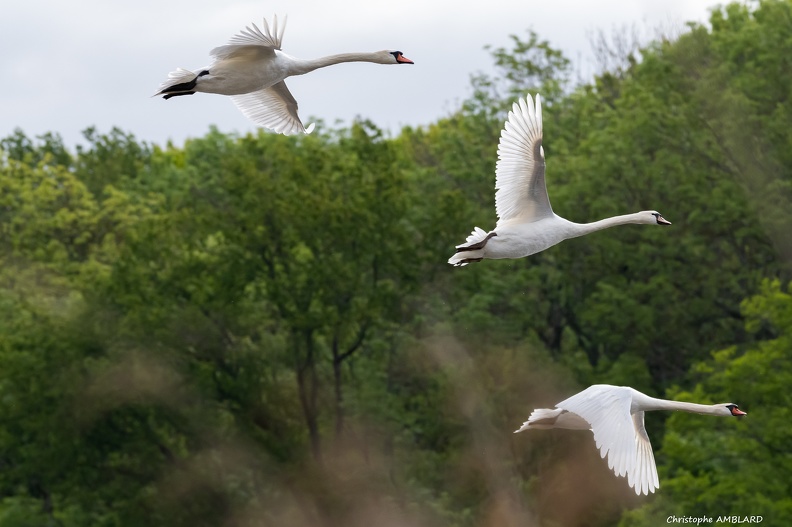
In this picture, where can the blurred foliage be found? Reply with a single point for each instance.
(256, 330)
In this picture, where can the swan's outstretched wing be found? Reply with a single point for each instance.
(520, 172)
(274, 108)
(252, 41)
(644, 476)
(607, 410)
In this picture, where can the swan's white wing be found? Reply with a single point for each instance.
(520, 172)
(257, 37)
(607, 410)
(644, 476)
(250, 53)
(252, 41)
(274, 108)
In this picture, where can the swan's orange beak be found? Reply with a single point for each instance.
(662, 221)
(737, 412)
(404, 60)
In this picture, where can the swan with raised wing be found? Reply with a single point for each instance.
(615, 414)
(526, 221)
(251, 68)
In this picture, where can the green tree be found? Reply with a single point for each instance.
(316, 239)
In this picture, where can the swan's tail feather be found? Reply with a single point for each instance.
(472, 250)
(179, 82)
(541, 418)
(477, 236)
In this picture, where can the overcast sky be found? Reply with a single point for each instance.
(69, 65)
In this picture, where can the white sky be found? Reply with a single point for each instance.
(67, 65)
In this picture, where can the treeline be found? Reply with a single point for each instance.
(262, 330)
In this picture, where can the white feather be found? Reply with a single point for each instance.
(519, 173)
(273, 108)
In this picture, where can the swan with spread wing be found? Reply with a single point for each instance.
(527, 223)
(615, 415)
(251, 69)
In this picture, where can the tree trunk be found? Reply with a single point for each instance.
(339, 394)
(338, 360)
(307, 384)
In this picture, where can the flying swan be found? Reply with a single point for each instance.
(251, 69)
(526, 222)
(616, 416)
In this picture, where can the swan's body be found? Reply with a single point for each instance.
(527, 223)
(251, 69)
(615, 414)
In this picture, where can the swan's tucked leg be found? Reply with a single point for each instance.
(466, 261)
(476, 246)
(168, 96)
(472, 250)
(183, 88)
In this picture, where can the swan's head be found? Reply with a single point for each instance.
(394, 57)
(652, 217)
(731, 409)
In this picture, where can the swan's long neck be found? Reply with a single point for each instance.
(662, 404)
(581, 229)
(302, 66)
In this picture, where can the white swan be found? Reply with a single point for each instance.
(526, 223)
(251, 69)
(616, 416)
